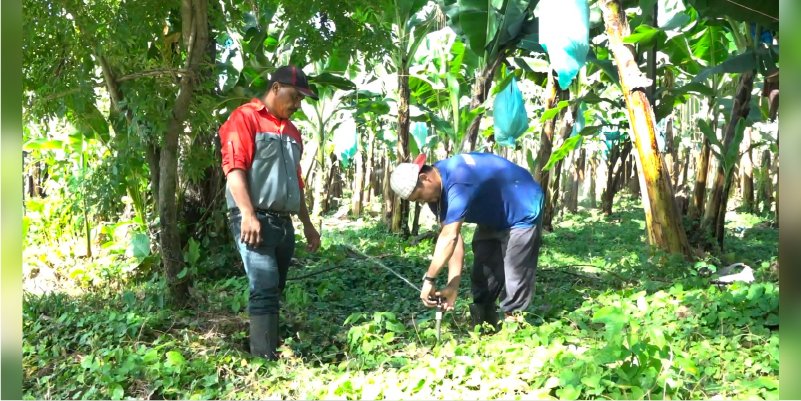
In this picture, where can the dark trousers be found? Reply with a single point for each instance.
(505, 266)
(266, 265)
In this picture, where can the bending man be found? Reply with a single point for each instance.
(503, 199)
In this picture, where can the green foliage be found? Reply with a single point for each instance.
(637, 324)
(488, 27)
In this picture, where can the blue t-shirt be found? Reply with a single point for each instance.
(488, 190)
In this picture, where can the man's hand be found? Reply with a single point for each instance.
(448, 294)
(427, 293)
(312, 237)
(250, 230)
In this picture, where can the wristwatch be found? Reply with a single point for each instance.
(433, 280)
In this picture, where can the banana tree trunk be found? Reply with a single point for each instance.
(701, 172)
(333, 174)
(416, 218)
(388, 207)
(747, 174)
(369, 168)
(614, 178)
(661, 216)
(764, 182)
(318, 203)
(714, 218)
(576, 180)
(400, 218)
(550, 99)
(552, 198)
(593, 178)
(195, 31)
(635, 181)
(358, 185)
(671, 157)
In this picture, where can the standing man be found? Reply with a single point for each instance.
(505, 201)
(261, 152)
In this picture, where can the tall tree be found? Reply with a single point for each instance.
(714, 217)
(663, 222)
(408, 30)
(194, 32)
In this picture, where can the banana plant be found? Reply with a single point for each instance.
(492, 30)
(441, 89)
(409, 24)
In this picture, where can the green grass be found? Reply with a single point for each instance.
(611, 318)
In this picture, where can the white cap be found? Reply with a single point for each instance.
(404, 177)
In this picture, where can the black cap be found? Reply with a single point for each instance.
(291, 75)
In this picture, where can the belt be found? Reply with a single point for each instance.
(273, 213)
(283, 215)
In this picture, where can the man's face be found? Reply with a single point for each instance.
(427, 190)
(286, 100)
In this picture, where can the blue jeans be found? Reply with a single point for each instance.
(267, 264)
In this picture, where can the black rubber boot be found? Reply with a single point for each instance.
(264, 335)
(484, 313)
(491, 315)
(476, 314)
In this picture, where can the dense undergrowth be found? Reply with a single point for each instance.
(611, 318)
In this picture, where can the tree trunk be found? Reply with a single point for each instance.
(702, 171)
(747, 175)
(388, 207)
(718, 197)
(765, 183)
(662, 219)
(593, 178)
(203, 194)
(576, 179)
(552, 198)
(195, 34)
(625, 169)
(369, 168)
(416, 219)
(635, 183)
(551, 98)
(615, 178)
(481, 89)
(318, 202)
(358, 185)
(400, 219)
(671, 157)
(378, 174)
(334, 174)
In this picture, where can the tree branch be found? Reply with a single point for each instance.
(141, 74)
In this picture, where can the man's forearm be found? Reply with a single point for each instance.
(456, 262)
(446, 245)
(238, 185)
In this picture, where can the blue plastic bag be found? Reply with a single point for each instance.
(564, 29)
(509, 115)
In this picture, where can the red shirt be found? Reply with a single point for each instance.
(238, 133)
